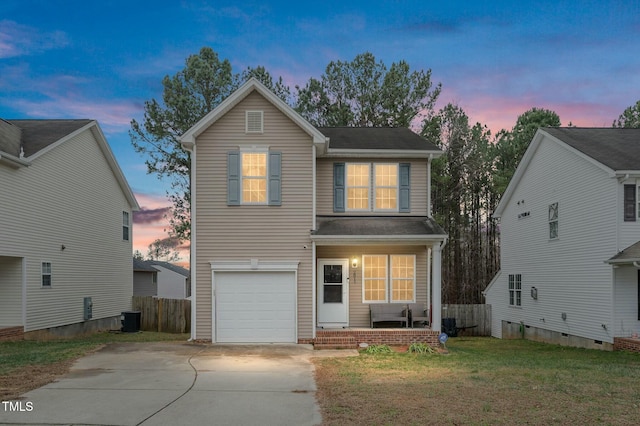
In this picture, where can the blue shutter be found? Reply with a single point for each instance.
(233, 178)
(405, 188)
(338, 187)
(275, 179)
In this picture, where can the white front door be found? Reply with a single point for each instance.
(333, 292)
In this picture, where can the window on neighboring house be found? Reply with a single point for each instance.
(253, 177)
(371, 187)
(515, 290)
(553, 221)
(630, 203)
(125, 226)
(46, 274)
(388, 278)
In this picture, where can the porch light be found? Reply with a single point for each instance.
(354, 262)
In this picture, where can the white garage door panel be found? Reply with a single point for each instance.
(255, 307)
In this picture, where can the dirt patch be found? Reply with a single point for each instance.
(24, 379)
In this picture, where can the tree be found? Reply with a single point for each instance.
(138, 255)
(364, 92)
(511, 145)
(164, 250)
(189, 95)
(629, 118)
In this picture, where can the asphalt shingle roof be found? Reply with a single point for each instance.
(630, 254)
(616, 148)
(381, 226)
(399, 138)
(38, 134)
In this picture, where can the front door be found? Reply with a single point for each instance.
(333, 292)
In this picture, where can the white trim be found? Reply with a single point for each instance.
(255, 150)
(189, 138)
(192, 254)
(345, 262)
(429, 211)
(380, 153)
(414, 300)
(254, 265)
(24, 293)
(314, 289)
(13, 161)
(374, 186)
(387, 296)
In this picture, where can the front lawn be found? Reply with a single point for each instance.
(482, 381)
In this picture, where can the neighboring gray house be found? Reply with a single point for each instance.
(65, 228)
(296, 230)
(160, 279)
(570, 226)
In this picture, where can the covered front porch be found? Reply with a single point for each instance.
(361, 262)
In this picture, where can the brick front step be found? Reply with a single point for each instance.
(379, 336)
(335, 342)
(626, 344)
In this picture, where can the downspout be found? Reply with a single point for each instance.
(192, 248)
(429, 185)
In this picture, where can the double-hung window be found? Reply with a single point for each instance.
(553, 221)
(254, 177)
(46, 274)
(515, 290)
(630, 203)
(377, 187)
(388, 278)
(125, 226)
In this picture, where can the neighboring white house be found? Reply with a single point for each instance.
(65, 228)
(160, 279)
(570, 226)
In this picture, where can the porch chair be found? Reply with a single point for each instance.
(418, 313)
(388, 312)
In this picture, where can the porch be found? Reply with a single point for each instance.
(352, 337)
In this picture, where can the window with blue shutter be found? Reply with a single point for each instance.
(249, 174)
(338, 187)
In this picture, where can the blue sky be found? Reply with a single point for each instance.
(103, 60)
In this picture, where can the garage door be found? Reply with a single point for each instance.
(255, 307)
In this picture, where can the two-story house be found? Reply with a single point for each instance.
(65, 229)
(297, 229)
(570, 226)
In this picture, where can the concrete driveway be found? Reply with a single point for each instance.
(179, 384)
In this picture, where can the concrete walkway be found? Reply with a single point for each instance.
(180, 384)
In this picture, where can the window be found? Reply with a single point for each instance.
(358, 186)
(254, 177)
(46, 274)
(388, 278)
(553, 221)
(629, 203)
(386, 186)
(371, 187)
(125, 226)
(515, 290)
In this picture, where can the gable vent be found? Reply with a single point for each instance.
(254, 122)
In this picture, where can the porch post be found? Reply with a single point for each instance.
(436, 315)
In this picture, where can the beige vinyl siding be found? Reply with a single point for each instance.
(358, 311)
(626, 301)
(10, 291)
(325, 186)
(253, 231)
(143, 284)
(570, 272)
(68, 196)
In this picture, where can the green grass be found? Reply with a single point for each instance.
(23, 353)
(482, 381)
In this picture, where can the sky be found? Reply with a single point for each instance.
(495, 59)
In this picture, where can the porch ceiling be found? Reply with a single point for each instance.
(373, 230)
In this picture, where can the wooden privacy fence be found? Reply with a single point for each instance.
(470, 315)
(168, 315)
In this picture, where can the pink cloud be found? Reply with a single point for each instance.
(19, 40)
